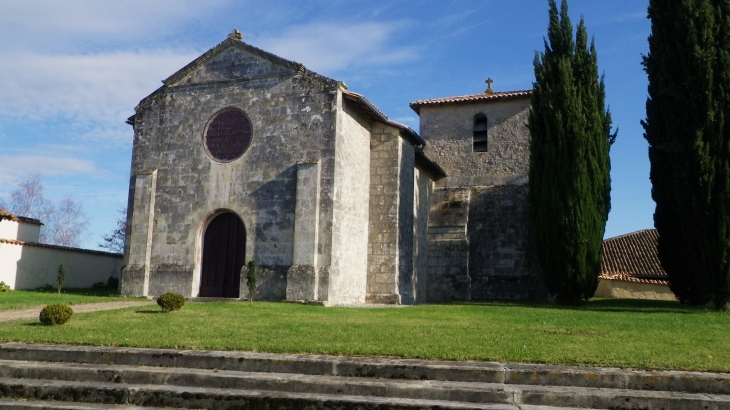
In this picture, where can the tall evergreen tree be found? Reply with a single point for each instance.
(688, 130)
(569, 163)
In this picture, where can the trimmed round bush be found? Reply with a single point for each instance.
(56, 314)
(171, 301)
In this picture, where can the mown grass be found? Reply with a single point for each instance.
(18, 299)
(622, 333)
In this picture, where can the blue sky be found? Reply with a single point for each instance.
(73, 71)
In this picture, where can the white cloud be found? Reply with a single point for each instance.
(14, 168)
(332, 47)
(94, 87)
(78, 24)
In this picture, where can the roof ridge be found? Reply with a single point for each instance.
(415, 106)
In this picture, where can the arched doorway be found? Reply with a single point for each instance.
(224, 253)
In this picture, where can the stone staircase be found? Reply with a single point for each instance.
(84, 377)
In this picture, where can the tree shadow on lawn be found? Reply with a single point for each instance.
(76, 291)
(156, 311)
(603, 305)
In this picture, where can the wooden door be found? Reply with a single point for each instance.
(224, 253)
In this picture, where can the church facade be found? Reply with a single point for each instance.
(242, 155)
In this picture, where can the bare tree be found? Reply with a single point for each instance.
(114, 242)
(67, 224)
(64, 224)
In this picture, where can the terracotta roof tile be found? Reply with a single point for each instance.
(416, 105)
(7, 215)
(633, 257)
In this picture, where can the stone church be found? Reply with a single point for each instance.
(242, 155)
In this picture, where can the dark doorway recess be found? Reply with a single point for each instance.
(224, 253)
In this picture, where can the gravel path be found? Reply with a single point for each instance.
(34, 312)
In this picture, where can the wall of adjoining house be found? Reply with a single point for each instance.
(21, 231)
(632, 290)
(30, 266)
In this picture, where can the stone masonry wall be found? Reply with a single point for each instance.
(383, 256)
(448, 132)
(292, 116)
(502, 259)
(348, 272)
(448, 246)
(496, 242)
(422, 188)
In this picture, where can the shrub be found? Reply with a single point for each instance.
(113, 282)
(98, 285)
(4, 287)
(56, 314)
(251, 279)
(61, 277)
(171, 301)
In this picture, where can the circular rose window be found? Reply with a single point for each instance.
(227, 135)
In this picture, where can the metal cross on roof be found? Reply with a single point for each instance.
(489, 86)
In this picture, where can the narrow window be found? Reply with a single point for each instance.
(480, 133)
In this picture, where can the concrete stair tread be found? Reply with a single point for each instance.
(695, 382)
(196, 396)
(64, 405)
(464, 397)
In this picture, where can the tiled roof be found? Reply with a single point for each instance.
(7, 215)
(416, 105)
(633, 258)
(15, 218)
(375, 114)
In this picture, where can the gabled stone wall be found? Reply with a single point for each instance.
(293, 119)
(480, 243)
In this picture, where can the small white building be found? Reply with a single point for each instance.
(27, 264)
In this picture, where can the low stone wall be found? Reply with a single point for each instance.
(630, 290)
(30, 265)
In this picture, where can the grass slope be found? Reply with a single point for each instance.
(18, 299)
(622, 333)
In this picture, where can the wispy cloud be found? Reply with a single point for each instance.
(631, 16)
(332, 47)
(94, 87)
(14, 168)
(81, 24)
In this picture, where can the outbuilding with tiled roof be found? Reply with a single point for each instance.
(631, 268)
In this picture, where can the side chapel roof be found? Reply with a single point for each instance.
(633, 258)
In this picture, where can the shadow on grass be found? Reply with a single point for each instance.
(602, 305)
(33, 324)
(149, 311)
(76, 291)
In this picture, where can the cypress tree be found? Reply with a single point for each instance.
(687, 129)
(569, 178)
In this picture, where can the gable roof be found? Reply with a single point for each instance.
(231, 41)
(633, 257)
(502, 95)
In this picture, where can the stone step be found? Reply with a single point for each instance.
(399, 369)
(153, 396)
(58, 405)
(340, 388)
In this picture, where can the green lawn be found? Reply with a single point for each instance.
(18, 299)
(623, 333)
